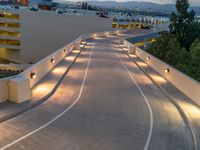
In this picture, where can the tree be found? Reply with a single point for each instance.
(167, 49)
(194, 68)
(181, 46)
(195, 29)
(182, 23)
(160, 47)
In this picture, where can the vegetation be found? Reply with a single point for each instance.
(180, 47)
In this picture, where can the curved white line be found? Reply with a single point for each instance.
(58, 116)
(147, 102)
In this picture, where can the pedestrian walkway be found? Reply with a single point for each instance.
(43, 89)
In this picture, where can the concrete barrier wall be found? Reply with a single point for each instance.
(184, 83)
(4, 90)
(42, 67)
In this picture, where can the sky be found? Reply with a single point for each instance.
(192, 2)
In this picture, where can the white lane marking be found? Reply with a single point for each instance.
(147, 102)
(60, 115)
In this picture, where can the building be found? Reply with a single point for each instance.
(16, 2)
(45, 4)
(125, 22)
(9, 34)
(28, 36)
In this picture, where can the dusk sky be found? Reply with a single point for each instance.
(192, 2)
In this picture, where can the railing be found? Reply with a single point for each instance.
(41, 68)
(184, 83)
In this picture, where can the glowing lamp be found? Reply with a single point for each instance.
(52, 60)
(148, 58)
(167, 70)
(33, 75)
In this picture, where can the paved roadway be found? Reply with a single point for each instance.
(104, 103)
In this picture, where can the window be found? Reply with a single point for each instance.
(9, 42)
(9, 33)
(9, 15)
(9, 24)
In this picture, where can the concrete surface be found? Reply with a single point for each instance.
(189, 108)
(19, 90)
(105, 102)
(40, 91)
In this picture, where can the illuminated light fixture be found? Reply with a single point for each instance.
(52, 60)
(33, 75)
(167, 70)
(65, 50)
(148, 58)
(83, 42)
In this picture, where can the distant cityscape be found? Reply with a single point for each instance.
(129, 6)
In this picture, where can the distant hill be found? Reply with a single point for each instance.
(139, 5)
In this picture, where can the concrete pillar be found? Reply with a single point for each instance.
(131, 49)
(19, 90)
(121, 41)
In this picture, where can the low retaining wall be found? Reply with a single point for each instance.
(41, 68)
(184, 83)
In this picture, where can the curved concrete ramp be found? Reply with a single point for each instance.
(104, 103)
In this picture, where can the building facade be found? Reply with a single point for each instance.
(28, 36)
